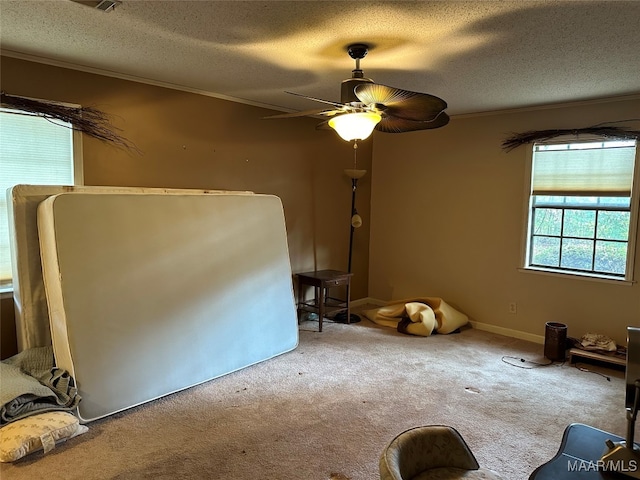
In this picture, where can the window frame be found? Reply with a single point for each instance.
(6, 288)
(528, 211)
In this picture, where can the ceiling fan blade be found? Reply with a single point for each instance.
(323, 126)
(391, 124)
(304, 113)
(335, 104)
(402, 104)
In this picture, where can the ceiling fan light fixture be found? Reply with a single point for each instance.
(366, 106)
(355, 126)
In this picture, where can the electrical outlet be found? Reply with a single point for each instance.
(513, 308)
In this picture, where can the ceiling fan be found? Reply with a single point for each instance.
(375, 106)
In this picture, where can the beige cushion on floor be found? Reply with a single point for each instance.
(423, 319)
(387, 316)
(426, 313)
(449, 319)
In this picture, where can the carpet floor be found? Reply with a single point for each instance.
(328, 408)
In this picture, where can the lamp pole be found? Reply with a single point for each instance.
(356, 220)
(354, 212)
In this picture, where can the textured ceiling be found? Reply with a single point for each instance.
(477, 55)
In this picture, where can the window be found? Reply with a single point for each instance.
(33, 151)
(583, 208)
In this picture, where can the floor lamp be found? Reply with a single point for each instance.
(356, 222)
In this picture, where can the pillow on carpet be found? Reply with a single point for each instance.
(387, 316)
(413, 318)
(37, 432)
(423, 319)
(449, 319)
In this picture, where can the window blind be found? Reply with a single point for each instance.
(33, 151)
(595, 171)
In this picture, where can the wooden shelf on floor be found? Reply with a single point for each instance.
(590, 355)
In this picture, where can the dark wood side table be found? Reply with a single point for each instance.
(323, 303)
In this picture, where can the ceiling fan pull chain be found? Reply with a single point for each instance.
(355, 154)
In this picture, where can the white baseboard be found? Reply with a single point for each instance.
(367, 301)
(507, 332)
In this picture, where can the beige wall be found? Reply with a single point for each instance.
(446, 205)
(194, 141)
(447, 219)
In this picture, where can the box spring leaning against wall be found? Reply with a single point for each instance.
(32, 317)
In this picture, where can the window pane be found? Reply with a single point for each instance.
(577, 254)
(613, 225)
(547, 221)
(611, 257)
(580, 209)
(583, 201)
(33, 151)
(545, 251)
(548, 200)
(579, 201)
(579, 223)
(615, 201)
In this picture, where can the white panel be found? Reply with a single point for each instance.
(151, 294)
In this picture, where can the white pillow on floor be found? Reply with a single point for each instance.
(37, 432)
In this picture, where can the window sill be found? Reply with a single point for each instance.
(6, 292)
(589, 278)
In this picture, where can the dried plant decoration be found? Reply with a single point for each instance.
(608, 130)
(87, 120)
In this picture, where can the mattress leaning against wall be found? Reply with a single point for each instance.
(151, 294)
(32, 317)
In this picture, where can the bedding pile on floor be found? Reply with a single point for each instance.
(32, 384)
(36, 403)
(419, 316)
